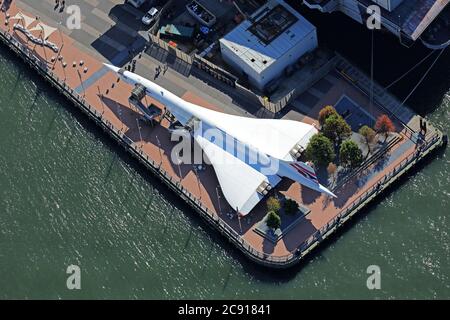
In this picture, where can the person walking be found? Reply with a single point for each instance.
(63, 4)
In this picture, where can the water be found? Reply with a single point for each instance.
(68, 195)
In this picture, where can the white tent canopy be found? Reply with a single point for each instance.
(27, 21)
(47, 30)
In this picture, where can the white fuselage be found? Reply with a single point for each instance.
(185, 111)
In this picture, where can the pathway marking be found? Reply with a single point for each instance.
(118, 60)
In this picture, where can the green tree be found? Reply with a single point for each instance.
(273, 204)
(290, 206)
(350, 154)
(336, 128)
(325, 113)
(368, 135)
(273, 220)
(320, 150)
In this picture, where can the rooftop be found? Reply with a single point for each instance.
(273, 23)
(269, 34)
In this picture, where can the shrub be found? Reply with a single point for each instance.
(273, 204)
(320, 150)
(336, 128)
(350, 154)
(368, 135)
(325, 113)
(290, 206)
(273, 220)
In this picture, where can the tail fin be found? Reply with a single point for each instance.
(309, 177)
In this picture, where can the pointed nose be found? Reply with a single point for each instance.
(327, 191)
(112, 68)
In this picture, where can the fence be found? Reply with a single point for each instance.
(175, 185)
(215, 71)
(301, 87)
(231, 80)
(172, 50)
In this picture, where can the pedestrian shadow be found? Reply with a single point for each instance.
(6, 5)
(170, 59)
(59, 6)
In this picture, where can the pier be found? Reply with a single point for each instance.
(83, 80)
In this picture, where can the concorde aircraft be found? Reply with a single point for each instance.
(249, 156)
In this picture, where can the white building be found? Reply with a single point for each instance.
(262, 47)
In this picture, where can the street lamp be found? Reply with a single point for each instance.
(159, 149)
(64, 69)
(101, 99)
(43, 41)
(178, 163)
(119, 111)
(60, 32)
(81, 81)
(198, 181)
(62, 41)
(239, 218)
(139, 129)
(218, 200)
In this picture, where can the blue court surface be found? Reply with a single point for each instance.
(355, 116)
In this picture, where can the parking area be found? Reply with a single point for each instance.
(221, 12)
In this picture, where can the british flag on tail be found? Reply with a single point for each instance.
(305, 170)
(305, 175)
